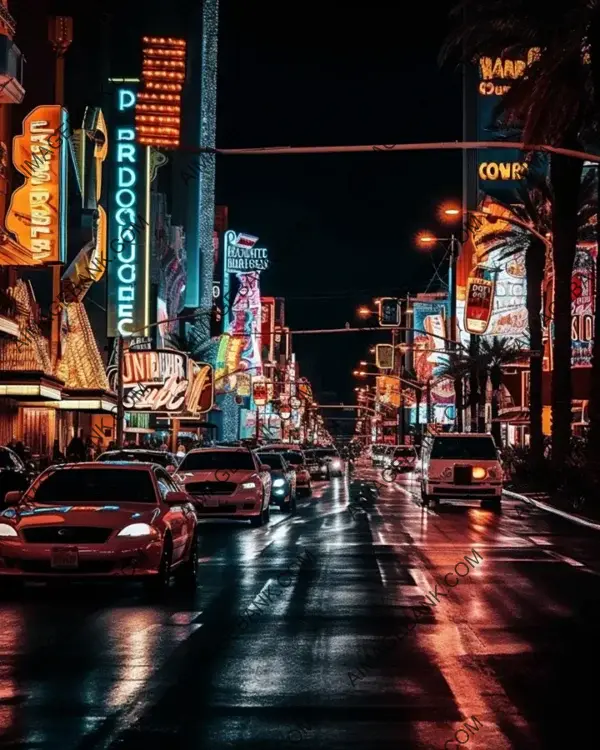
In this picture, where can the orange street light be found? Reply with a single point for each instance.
(364, 312)
(362, 364)
(449, 211)
(425, 238)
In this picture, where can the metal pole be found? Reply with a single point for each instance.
(452, 289)
(120, 404)
(257, 423)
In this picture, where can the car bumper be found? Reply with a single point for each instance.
(444, 489)
(124, 559)
(229, 506)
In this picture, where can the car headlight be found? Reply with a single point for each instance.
(336, 464)
(136, 529)
(276, 482)
(479, 472)
(249, 485)
(6, 530)
(396, 463)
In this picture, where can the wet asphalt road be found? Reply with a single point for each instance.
(324, 631)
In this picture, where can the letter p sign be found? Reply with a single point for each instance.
(126, 99)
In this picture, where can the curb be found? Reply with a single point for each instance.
(551, 509)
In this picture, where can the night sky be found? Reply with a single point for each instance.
(339, 228)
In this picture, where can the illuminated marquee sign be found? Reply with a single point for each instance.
(129, 246)
(158, 108)
(242, 255)
(166, 382)
(498, 171)
(37, 212)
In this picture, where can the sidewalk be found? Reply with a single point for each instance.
(589, 512)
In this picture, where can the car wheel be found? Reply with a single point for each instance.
(188, 572)
(159, 584)
(293, 506)
(267, 514)
(493, 504)
(258, 519)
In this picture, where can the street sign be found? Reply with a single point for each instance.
(389, 312)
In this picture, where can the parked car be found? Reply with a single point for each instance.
(167, 460)
(283, 480)
(227, 483)
(14, 473)
(461, 465)
(100, 520)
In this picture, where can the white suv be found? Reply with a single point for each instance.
(461, 465)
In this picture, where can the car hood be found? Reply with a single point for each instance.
(220, 475)
(110, 515)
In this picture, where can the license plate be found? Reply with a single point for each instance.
(211, 502)
(65, 558)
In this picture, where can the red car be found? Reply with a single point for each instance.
(93, 520)
(227, 483)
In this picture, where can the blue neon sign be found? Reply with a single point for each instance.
(128, 297)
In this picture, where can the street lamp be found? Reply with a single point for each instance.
(364, 312)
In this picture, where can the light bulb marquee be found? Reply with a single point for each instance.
(158, 106)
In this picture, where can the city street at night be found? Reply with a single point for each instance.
(287, 639)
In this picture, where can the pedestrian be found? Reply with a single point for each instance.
(20, 451)
(76, 449)
(57, 456)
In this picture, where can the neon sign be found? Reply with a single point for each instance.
(129, 255)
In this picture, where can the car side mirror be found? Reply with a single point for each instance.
(177, 498)
(13, 497)
(265, 467)
(171, 468)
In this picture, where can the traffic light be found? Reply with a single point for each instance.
(389, 312)
(384, 356)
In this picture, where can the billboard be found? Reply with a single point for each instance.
(486, 251)
(129, 226)
(498, 170)
(166, 382)
(388, 390)
(267, 328)
(384, 356)
(430, 347)
(479, 301)
(37, 215)
(242, 255)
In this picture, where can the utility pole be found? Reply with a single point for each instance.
(120, 405)
(60, 35)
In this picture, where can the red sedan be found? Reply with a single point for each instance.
(92, 520)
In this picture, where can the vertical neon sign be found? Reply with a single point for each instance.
(129, 247)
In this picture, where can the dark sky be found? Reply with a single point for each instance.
(339, 228)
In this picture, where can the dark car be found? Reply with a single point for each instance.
(331, 465)
(143, 455)
(14, 474)
(283, 485)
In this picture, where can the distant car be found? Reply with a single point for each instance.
(312, 463)
(330, 462)
(14, 473)
(402, 458)
(227, 483)
(463, 466)
(100, 520)
(283, 480)
(162, 458)
(297, 458)
(378, 451)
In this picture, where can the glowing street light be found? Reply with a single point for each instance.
(364, 312)
(425, 238)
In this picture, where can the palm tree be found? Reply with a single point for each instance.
(495, 354)
(456, 368)
(534, 207)
(552, 104)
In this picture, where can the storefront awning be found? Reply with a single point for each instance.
(516, 416)
(30, 386)
(93, 400)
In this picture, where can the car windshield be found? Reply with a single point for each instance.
(273, 460)
(213, 460)
(476, 448)
(404, 452)
(327, 452)
(294, 458)
(162, 459)
(5, 460)
(91, 486)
